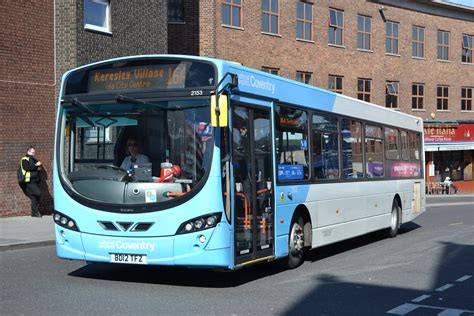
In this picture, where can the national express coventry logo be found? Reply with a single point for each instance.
(127, 245)
(254, 82)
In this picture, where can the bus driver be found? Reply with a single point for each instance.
(134, 155)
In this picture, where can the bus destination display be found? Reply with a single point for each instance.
(138, 78)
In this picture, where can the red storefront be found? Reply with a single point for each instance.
(449, 152)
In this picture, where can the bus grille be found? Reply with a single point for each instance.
(125, 226)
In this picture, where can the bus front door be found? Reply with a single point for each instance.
(253, 185)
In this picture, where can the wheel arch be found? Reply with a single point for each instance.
(303, 212)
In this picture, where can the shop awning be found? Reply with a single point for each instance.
(449, 146)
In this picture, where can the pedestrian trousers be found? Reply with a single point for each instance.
(34, 193)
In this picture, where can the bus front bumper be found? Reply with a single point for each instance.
(207, 248)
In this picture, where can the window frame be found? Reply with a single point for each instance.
(269, 14)
(304, 21)
(416, 98)
(364, 32)
(232, 5)
(442, 99)
(336, 27)
(179, 4)
(363, 93)
(92, 27)
(335, 89)
(440, 47)
(271, 70)
(304, 75)
(391, 38)
(417, 45)
(467, 51)
(465, 106)
(396, 94)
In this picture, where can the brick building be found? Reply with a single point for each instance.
(413, 56)
(40, 41)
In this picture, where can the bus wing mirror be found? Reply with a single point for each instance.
(219, 110)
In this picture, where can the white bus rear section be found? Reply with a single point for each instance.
(342, 211)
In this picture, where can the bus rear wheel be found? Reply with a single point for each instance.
(394, 220)
(296, 243)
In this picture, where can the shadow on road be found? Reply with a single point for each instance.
(195, 277)
(178, 276)
(334, 296)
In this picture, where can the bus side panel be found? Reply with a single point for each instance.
(287, 199)
(341, 211)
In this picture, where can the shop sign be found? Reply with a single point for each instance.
(445, 133)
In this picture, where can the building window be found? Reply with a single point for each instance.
(450, 164)
(304, 20)
(391, 37)
(304, 77)
(335, 83)
(466, 98)
(443, 45)
(364, 88)
(467, 49)
(418, 41)
(175, 11)
(270, 16)
(442, 98)
(273, 71)
(364, 32)
(391, 94)
(417, 96)
(336, 27)
(97, 15)
(232, 13)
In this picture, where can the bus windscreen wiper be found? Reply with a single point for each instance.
(123, 99)
(187, 106)
(81, 105)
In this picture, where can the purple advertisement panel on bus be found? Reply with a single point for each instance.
(376, 168)
(405, 169)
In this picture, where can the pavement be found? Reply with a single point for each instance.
(28, 232)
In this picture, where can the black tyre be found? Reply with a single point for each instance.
(394, 220)
(296, 243)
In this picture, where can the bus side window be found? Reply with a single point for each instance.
(325, 147)
(291, 137)
(352, 155)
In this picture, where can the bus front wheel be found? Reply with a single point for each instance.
(296, 243)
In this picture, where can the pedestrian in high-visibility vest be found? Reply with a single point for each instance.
(30, 168)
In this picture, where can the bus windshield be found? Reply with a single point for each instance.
(136, 153)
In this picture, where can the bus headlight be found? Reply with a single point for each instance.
(64, 221)
(199, 223)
